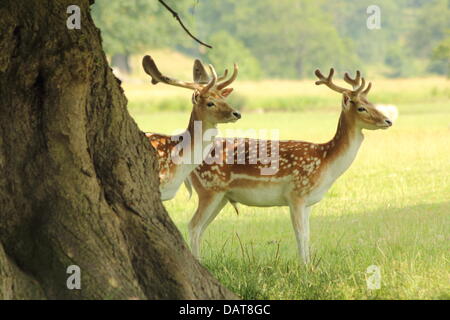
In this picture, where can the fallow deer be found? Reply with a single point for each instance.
(209, 109)
(305, 170)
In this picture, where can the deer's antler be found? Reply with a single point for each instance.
(366, 91)
(357, 83)
(224, 76)
(328, 81)
(151, 69)
(353, 82)
(233, 77)
(213, 80)
(201, 76)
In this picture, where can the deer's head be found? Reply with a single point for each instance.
(354, 102)
(210, 92)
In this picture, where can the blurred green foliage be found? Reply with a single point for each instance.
(287, 38)
(229, 50)
(132, 25)
(441, 55)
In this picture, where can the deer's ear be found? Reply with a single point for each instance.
(226, 92)
(345, 101)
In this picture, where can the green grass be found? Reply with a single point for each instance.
(390, 209)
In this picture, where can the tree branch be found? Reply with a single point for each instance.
(176, 16)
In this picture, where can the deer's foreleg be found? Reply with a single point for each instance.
(300, 222)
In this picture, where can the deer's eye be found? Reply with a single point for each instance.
(210, 104)
(361, 109)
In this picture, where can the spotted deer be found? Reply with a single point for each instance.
(305, 170)
(209, 109)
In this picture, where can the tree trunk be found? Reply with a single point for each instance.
(78, 182)
(448, 68)
(121, 63)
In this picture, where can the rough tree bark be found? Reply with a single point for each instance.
(78, 181)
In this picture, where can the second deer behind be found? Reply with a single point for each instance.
(209, 109)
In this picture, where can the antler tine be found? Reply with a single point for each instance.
(151, 69)
(369, 86)
(201, 76)
(224, 76)
(353, 82)
(213, 73)
(360, 88)
(322, 78)
(213, 80)
(232, 78)
(357, 87)
(328, 81)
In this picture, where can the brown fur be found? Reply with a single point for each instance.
(302, 167)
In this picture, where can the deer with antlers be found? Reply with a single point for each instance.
(305, 170)
(209, 109)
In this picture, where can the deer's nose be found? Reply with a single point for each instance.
(388, 122)
(237, 114)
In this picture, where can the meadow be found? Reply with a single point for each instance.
(390, 209)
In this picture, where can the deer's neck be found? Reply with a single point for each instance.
(342, 149)
(202, 135)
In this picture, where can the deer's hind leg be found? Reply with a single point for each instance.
(209, 207)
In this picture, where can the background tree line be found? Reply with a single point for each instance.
(286, 38)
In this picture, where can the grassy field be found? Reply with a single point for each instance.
(390, 209)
